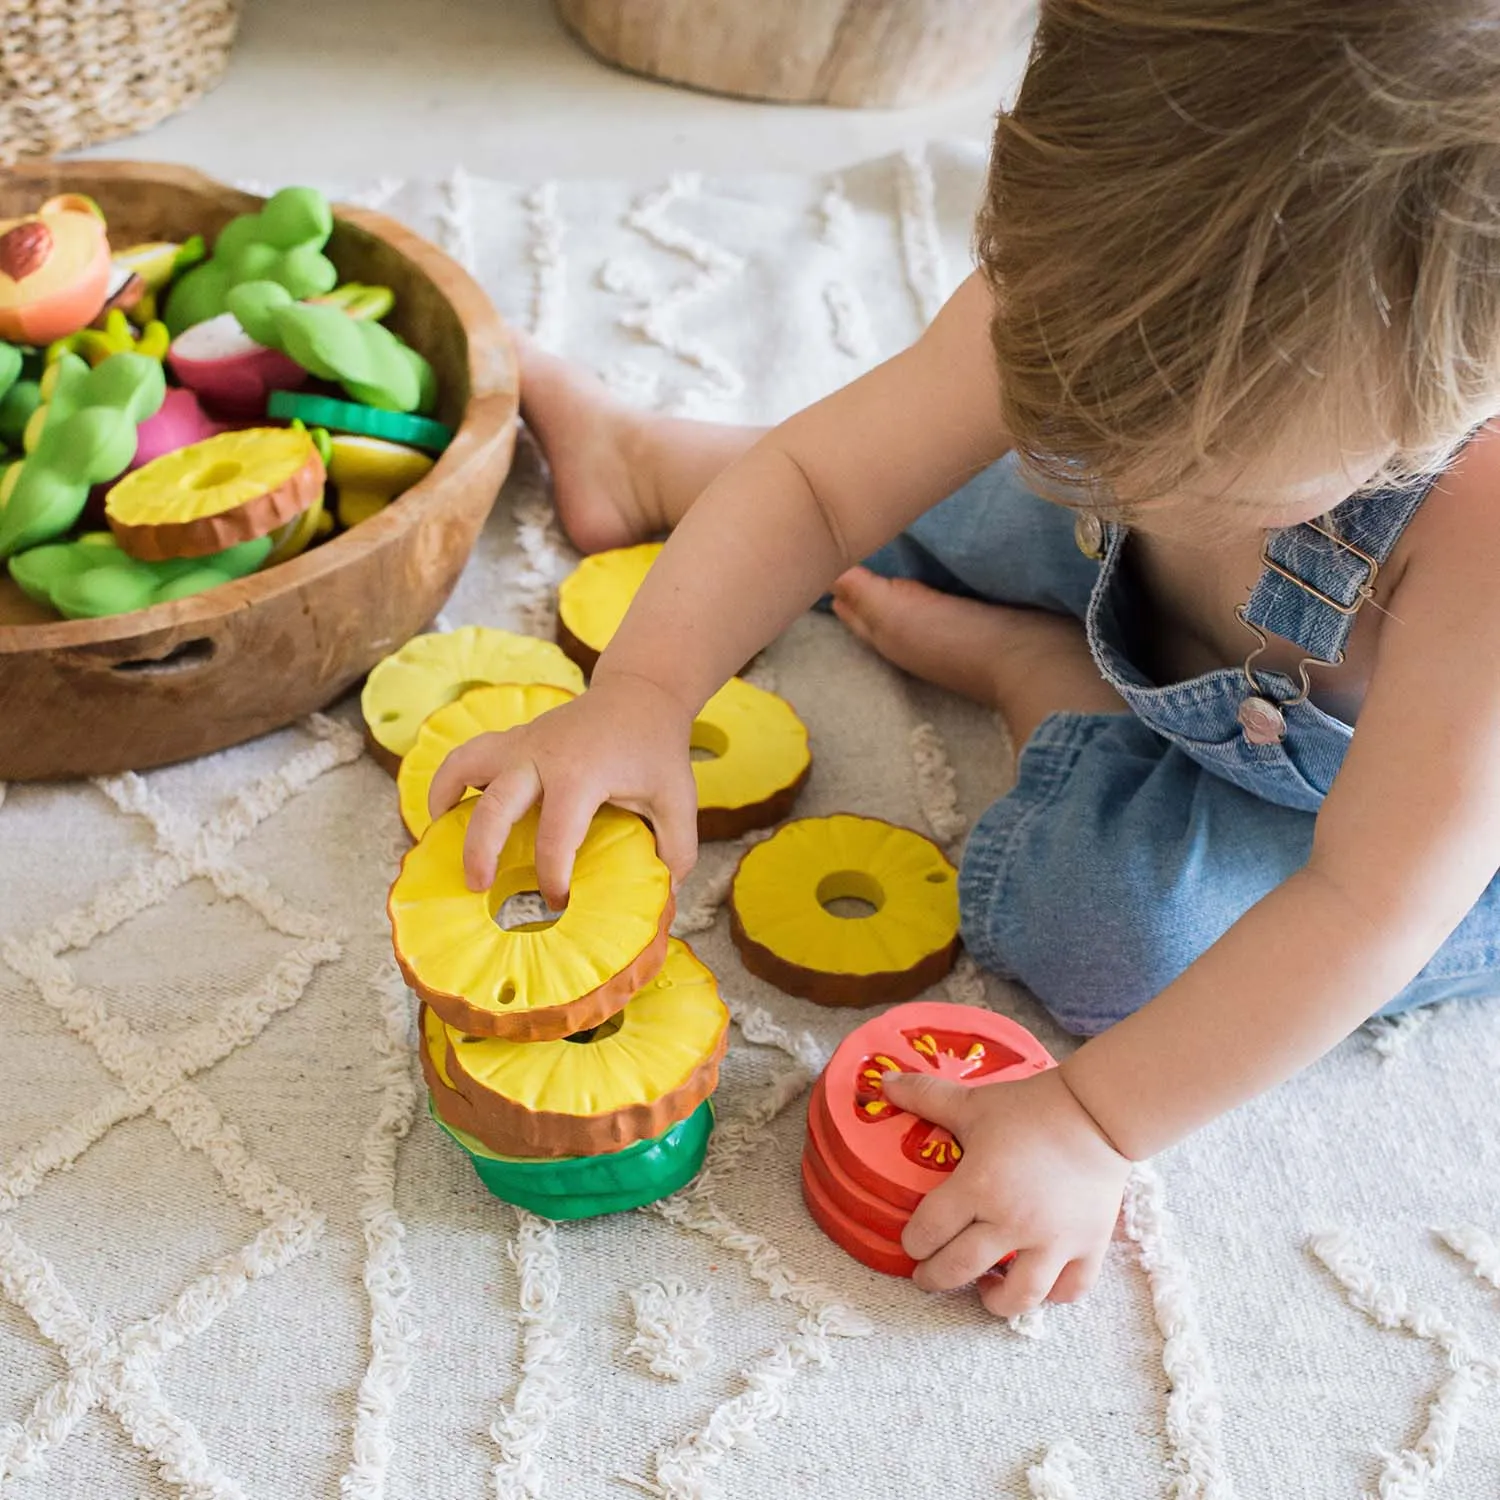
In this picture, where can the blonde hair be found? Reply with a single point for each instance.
(1206, 217)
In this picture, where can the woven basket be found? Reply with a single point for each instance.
(77, 72)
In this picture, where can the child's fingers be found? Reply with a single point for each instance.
(472, 764)
(1027, 1281)
(565, 818)
(937, 1099)
(941, 1216)
(1077, 1279)
(676, 826)
(502, 802)
(964, 1258)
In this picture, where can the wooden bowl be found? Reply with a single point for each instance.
(88, 697)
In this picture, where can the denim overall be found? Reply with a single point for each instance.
(1132, 841)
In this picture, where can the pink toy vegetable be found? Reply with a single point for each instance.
(228, 369)
(180, 423)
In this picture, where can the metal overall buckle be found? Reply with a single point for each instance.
(1262, 717)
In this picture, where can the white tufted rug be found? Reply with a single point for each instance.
(237, 1259)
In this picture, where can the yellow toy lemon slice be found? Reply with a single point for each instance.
(370, 472)
(627, 1080)
(788, 927)
(211, 495)
(482, 710)
(752, 760)
(540, 980)
(432, 670)
(592, 600)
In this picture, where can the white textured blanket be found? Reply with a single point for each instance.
(237, 1259)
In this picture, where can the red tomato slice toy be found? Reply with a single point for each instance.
(867, 1164)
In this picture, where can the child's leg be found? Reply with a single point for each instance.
(984, 595)
(1028, 664)
(620, 475)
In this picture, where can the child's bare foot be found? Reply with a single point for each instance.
(1027, 663)
(593, 444)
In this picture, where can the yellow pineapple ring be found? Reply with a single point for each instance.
(432, 1049)
(786, 934)
(593, 598)
(629, 1079)
(482, 710)
(432, 670)
(215, 494)
(759, 760)
(540, 980)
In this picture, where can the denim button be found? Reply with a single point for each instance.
(1261, 722)
(1088, 535)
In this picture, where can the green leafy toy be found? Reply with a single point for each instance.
(283, 243)
(10, 368)
(84, 435)
(363, 356)
(17, 406)
(93, 576)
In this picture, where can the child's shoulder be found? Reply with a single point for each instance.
(1454, 539)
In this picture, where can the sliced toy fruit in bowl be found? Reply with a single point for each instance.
(229, 370)
(202, 499)
(54, 272)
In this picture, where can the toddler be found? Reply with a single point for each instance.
(1189, 479)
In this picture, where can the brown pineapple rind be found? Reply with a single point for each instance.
(732, 822)
(204, 535)
(825, 988)
(512, 1130)
(545, 1023)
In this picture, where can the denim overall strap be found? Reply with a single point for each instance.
(1317, 577)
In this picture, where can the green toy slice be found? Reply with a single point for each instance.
(83, 435)
(583, 1187)
(364, 357)
(282, 243)
(10, 367)
(16, 408)
(368, 421)
(93, 577)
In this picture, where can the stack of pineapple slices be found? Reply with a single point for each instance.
(572, 1055)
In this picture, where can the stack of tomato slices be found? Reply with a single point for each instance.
(866, 1164)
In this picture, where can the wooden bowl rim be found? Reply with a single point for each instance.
(493, 405)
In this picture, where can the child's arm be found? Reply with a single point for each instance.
(1406, 842)
(765, 539)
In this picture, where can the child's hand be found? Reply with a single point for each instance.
(624, 741)
(1036, 1177)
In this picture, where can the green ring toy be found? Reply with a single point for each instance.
(367, 421)
(584, 1187)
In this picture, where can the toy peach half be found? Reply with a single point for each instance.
(629, 1079)
(535, 981)
(231, 372)
(54, 273)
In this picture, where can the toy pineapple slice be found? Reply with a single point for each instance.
(787, 923)
(627, 1080)
(483, 710)
(536, 981)
(593, 599)
(432, 670)
(211, 495)
(757, 760)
